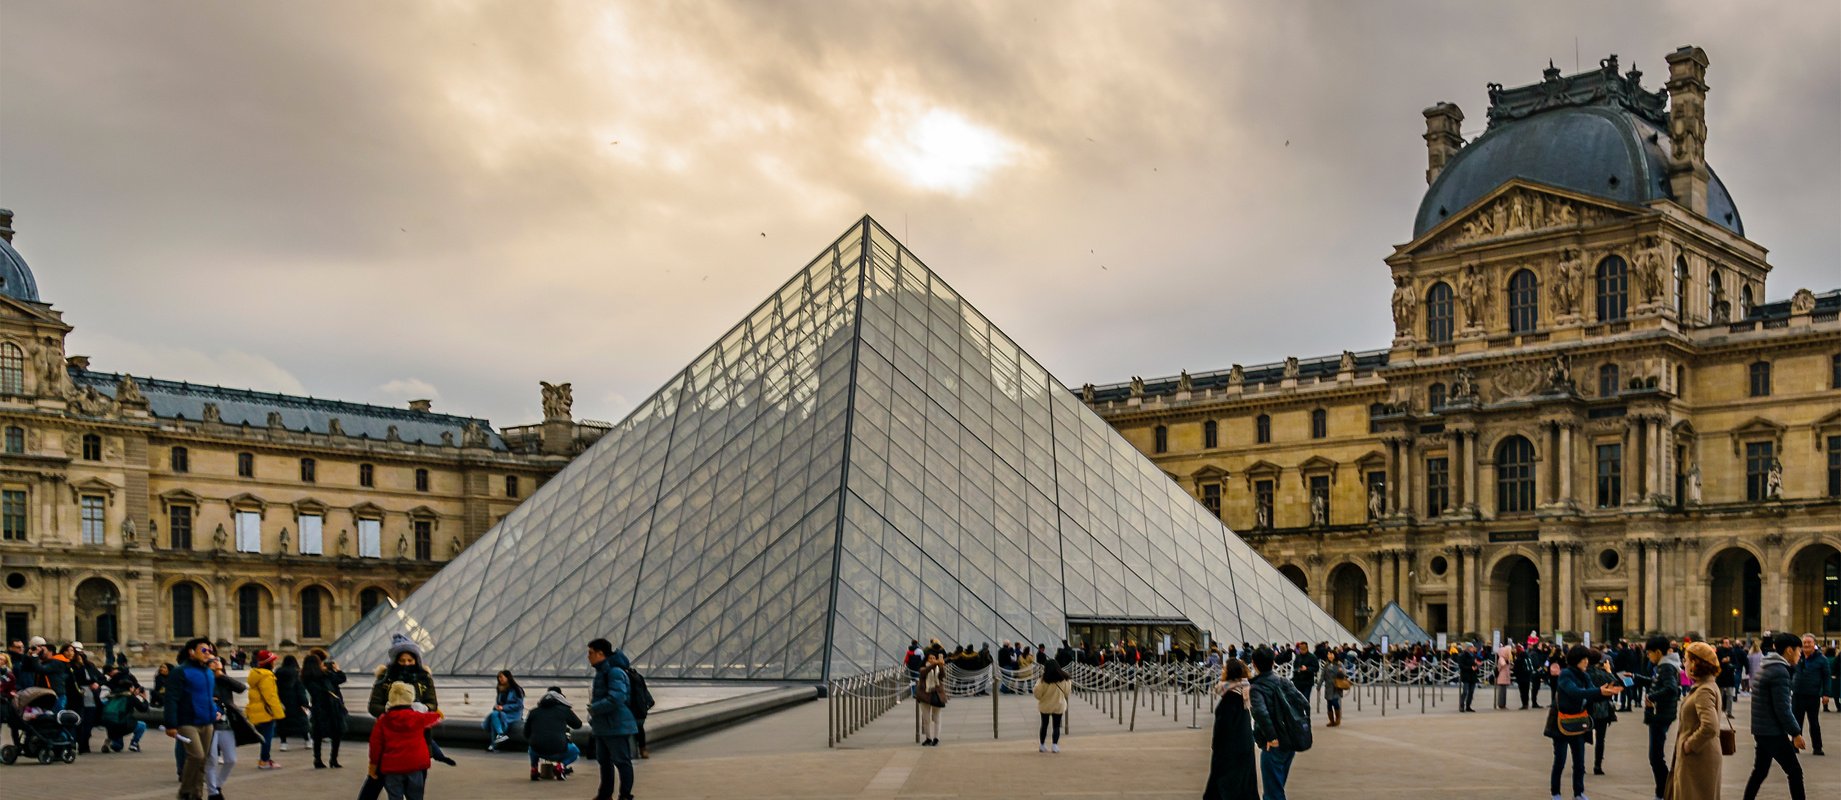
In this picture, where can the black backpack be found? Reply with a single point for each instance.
(1290, 717)
(638, 697)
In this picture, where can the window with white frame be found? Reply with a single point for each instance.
(95, 525)
(249, 531)
(312, 532)
(370, 538)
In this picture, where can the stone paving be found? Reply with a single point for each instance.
(1404, 755)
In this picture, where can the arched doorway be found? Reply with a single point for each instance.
(98, 609)
(1349, 597)
(1815, 591)
(1736, 593)
(1515, 590)
(1296, 575)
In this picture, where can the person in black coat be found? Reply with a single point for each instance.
(1304, 670)
(1467, 678)
(294, 698)
(547, 728)
(321, 677)
(1774, 728)
(1231, 771)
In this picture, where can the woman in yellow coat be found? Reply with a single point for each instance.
(1696, 775)
(264, 708)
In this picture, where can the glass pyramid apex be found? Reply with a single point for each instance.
(1398, 626)
(863, 460)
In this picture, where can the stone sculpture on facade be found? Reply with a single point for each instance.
(1291, 368)
(1184, 383)
(220, 539)
(1694, 484)
(402, 546)
(345, 540)
(1803, 302)
(1560, 372)
(212, 414)
(1348, 362)
(1405, 303)
(1773, 482)
(128, 393)
(129, 536)
(558, 400)
(1319, 511)
(1651, 273)
(1377, 505)
(1262, 518)
(1473, 292)
(1087, 393)
(1137, 386)
(1464, 386)
(1566, 277)
(284, 541)
(53, 374)
(1236, 376)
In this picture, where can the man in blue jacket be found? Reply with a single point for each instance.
(191, 711)
(611, 721)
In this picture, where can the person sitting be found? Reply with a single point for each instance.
(547, 729)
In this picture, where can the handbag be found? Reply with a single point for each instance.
(1573, 724)
(1729, 738)
(1343, 684)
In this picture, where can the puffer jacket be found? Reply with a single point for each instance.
(398, 746)
(1663, 694)
(264, 698)
(548, 726)
(414, 676)
(608, 714)
(1772, 713)
(1052, 698)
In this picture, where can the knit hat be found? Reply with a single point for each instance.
(265, 658)
(1703, 652)
(401, 694)
(400, 644)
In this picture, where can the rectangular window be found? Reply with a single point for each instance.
(1211, 434)
(13, 515)
(1610, 475)
(511, 486)
(249, 531)
(1437, 486)
(179, 528)
(1319, 424)
(367, 475)
(246, 465)
(1761, 379)
(310, 615)
(1161, 439)
(1759, 456)
(421, 480)
(95, 526)
(1834, 469)
(92, 447)
(182, 611)
(1262, 504)
(15, 439)
(425, 539)
(312, 534)
(370, 538)
(181, 460)
(309, 470)
(249, 612)
(1211, 499)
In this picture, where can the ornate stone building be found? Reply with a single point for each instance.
(136, 513)
(1588, 420)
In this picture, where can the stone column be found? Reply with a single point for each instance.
(1652, 579)
(1658, 461)
(1393, 475)
(1633, 587)
(1476, 587)
(1568, 619)
(1403, 491)
(1386, 559)
(1566, 463)
(1472, 468)
(1457, 473)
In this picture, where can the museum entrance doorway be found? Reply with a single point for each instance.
(1147, 632)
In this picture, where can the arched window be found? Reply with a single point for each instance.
(12, 369)
(1524, 302)
(1613, 289)
(1439, 313)
(1745, 302)
(249, 611)
(315, 601)
(180, 460)
(1262, 429)
(1607, 380)
(1514, 475)
(1681, 288)
(1160, 439)
(15, 439)
(371, 598)
(1435, 397)
(92, 447)
(1319, 424)
(184, 607)
(1715, 292)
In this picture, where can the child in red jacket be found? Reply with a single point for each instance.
(399, 747)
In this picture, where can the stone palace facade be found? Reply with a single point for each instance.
(1588, 420)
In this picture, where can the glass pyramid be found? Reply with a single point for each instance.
(862, 461)
(1398, 626)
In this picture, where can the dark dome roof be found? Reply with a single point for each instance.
(15, 277)
(1609, 147)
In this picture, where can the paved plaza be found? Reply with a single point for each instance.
(1403, 755)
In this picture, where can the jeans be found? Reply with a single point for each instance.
(1727, 695)
(1562, 744)
(1274, 767)
(267, 729)
(498, 722)
(1808, 710)
(140, 728)
(1658, 754)
(1467, 695)
(1042, 736)
(1781, 750)
(615, 755)
(192, 777)
(569, 758)
(406, 786)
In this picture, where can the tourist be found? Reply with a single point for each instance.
(1662, 695)
(1569, 724)
(1602, 709)
(1754, 661)
(264, 707)
(1834, 681)
(1728, 682)
(931, 695)
(1335, 682)
(507, 708)
(547, 730)
(1230, 768)
(1467, 679)
(118, 721)
(1052, 702)
(1813, 672)
(405, 666)
(1774, 727)
(232, 730)
(191, 713)
(294, 701)
(399, 744)
(1304, 667)
(321, 677)
(1505, 667)
(1281, 720)
(638, 700)
(1697, 754)
(611, 720)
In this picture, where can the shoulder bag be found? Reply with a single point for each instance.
(1572, 724)
(1729, 738)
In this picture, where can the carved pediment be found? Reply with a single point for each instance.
(1208, 474)
(94, 486)
(1317, 464)
(1516, 208)
(1758, 428)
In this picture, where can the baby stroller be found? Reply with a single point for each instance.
(49, 733)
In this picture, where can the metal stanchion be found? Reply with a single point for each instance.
(1134, 705)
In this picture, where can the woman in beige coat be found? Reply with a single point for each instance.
(1696, 775)
(1052, 700)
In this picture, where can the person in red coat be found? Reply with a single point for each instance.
(399, 750)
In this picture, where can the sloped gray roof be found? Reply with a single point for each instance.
(16, 279)
(180, 400)
(1398, 626)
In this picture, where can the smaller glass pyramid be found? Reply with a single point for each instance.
(864, 460)
(1398, 626)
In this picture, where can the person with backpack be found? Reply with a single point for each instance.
(611, 720)
(638, 700)
(1281, 724)
(118, 721)
(931, 694)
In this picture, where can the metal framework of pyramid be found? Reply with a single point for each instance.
(1398, 626)
(864, 460)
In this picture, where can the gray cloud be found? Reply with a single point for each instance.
(361, 192)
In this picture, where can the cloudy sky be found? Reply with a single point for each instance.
(380, 201)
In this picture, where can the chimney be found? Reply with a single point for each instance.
(423, 406)
(1687, 127)
(6, 225)
(1443, 137)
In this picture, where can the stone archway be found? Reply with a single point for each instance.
(1348, 585)
(1815, 591)
(1515, 591)
(98, 609)
(1735, 588)
(1295, 574)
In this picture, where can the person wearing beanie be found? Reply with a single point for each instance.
(264, 707)
(547, 729)
(399, 744)
(405, 666)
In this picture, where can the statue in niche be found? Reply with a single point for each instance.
(345, 538)
(1650, 272)
(1773, 481)
(1803, 302)
(219, 538)
(1291, 368)
(1137, 386)
(1184, 383)
(1518, 212)
(1473, 292)
(1262, 518)
(1566, 275)
(1464, 385)
(1319, 511)
(129, 537)
(53, 374)
(402, 546)
(1237, 376)
(558, 400)
(1377, 505)
(1694, 485)
(284, 541)
(1405, 302)
(1087, 393)
(453, 547)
